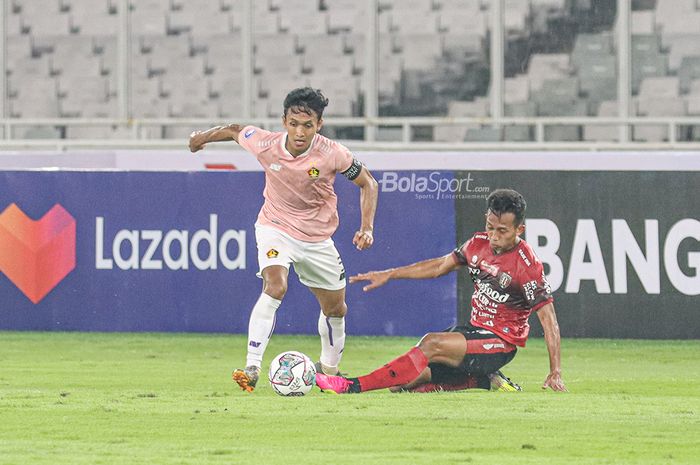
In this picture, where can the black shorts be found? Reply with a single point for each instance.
(486, 353)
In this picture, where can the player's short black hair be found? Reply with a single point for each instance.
(305, 100)
(503, 201)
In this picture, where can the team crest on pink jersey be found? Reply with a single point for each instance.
(314, 172)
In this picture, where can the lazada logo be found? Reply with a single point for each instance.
(36, 254)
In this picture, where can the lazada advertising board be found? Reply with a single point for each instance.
(149, 251)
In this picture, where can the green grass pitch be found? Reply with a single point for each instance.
(93, 398)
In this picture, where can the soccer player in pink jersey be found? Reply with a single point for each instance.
(297, 220)
(509, 284)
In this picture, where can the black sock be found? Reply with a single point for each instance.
(355, 387)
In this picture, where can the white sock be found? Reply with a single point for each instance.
(260, 328)
(332, 331)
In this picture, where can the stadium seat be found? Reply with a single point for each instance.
(681, 46)
(689, 70)
(591, 46)
(224, 55)
(35, 96)
(276, 44)
(645, 46)
(28, 67)
(97, 132)
(521, 109)
(88, 88)
(91, 20)
(656, 106)
(148, 17)
(346, 16)
(694, 87)
(520, 133)
(603, 132)
(420, 51)
(416, 6)
(543, 11)
(515, 17)
(411, 22)
(516, 89)
(451, 6)
(643, 22)
(477, 108)
(563, 132)
(648, 67)
(268, 23)
(484, 134)
(463, 46)
(547, 66)
(463, 22)
(277, 65)
(323, 66)
(660, 87)
(660, 106)
(693, 105)
(43, 25)
(557, 90)
(301, 22)
(40, 132)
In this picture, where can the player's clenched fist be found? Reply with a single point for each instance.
(197, 141)
(363, 239)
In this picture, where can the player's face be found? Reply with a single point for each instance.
(502, 231)
(301, 128)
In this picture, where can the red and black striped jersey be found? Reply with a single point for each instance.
(507, 287)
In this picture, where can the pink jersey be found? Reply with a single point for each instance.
(507, 287)
(299, 195)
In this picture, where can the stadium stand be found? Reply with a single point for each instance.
(186, 60)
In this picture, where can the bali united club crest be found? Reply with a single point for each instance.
(504, 280)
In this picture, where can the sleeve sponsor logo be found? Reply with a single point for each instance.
(529, 290)
(524, 257)
(249, 133)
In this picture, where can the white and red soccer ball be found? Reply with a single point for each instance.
(292, 374)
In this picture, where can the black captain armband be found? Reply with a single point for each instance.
(354, 170)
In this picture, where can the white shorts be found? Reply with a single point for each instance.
(317, 264)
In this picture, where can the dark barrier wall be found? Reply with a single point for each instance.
(620, 248)
(130, 251)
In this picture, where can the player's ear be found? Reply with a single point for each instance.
(320, 124)
(520, 229)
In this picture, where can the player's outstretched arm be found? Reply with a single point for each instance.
(426, 269)
(548, 318)
(216, 134)
(369, 192)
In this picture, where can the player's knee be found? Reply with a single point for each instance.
(275, 289)
(338, 310)
(431, 344)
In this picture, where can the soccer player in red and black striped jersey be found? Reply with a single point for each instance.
(509, 284)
